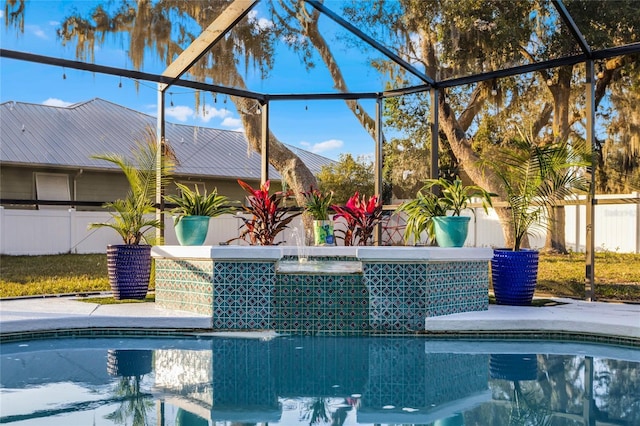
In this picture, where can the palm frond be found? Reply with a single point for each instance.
(535, 177)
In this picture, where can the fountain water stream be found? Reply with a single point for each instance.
(303, 249)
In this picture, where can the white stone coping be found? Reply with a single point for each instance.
(439, 254)
(375, 254)
(320, 251)
(218, 252)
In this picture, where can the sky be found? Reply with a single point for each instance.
(324, 127)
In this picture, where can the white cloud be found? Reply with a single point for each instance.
(231, 122)
(56, 102)
(37, 31)
(211, 112)
(180, 113)
(261, 23)
(319, 147)
(1, 13)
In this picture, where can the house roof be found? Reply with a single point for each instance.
(35, 134)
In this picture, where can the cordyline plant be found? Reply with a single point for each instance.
(362, 216)
(317, 203)
(268, 219)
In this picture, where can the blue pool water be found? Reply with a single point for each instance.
(316, 381)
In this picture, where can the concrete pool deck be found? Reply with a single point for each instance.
(597, 319)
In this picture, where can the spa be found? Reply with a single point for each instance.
(322, 290)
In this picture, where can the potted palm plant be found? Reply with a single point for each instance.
(429, 211)
(193, 211)
(317, 206)
(534, 177)
(129, 264)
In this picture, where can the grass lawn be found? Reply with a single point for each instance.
(617, 275)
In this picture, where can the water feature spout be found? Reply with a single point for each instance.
(302, 248)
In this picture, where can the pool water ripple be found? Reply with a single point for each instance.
(316, 381)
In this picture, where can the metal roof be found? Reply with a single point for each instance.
(34, 134)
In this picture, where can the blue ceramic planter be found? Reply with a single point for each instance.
(514, 367)
(192, 230)
(451, 231)
(129, 268)
(514, 276)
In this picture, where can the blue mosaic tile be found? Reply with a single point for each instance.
(328, 304)
(184, 285)
(243, 295)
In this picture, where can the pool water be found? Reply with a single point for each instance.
(212, 380)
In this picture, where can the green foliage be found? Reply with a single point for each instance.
(345, 177)
(130, 215)
(419, 213)
(268, 218)
(534, 177)
(454, 196)
(317, 203)
(192, 203)
(406, 165)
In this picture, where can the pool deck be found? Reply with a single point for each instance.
(609, 320)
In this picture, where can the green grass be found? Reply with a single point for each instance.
(57, 274)
(111, 301)
(617, 275)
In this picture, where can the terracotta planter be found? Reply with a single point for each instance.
(129, 268)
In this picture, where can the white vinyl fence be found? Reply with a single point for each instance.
(38, 232)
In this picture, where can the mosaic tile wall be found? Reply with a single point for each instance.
(402, 295)
(243, 295)
(387, 297)
(328, 304)
(184, 285)
(455, 287)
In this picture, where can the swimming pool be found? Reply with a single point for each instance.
(296, 380)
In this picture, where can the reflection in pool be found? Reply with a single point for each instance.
(316, 381)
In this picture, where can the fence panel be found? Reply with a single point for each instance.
(39, 232)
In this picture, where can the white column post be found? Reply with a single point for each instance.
(2, 230)
(72, 229)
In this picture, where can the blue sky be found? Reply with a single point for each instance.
(325, 127)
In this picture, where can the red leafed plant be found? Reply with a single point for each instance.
(362, 216)
(268, 219)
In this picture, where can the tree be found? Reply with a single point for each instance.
(448, 38)
(407, 158)
(451, 38)
(346, 177)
